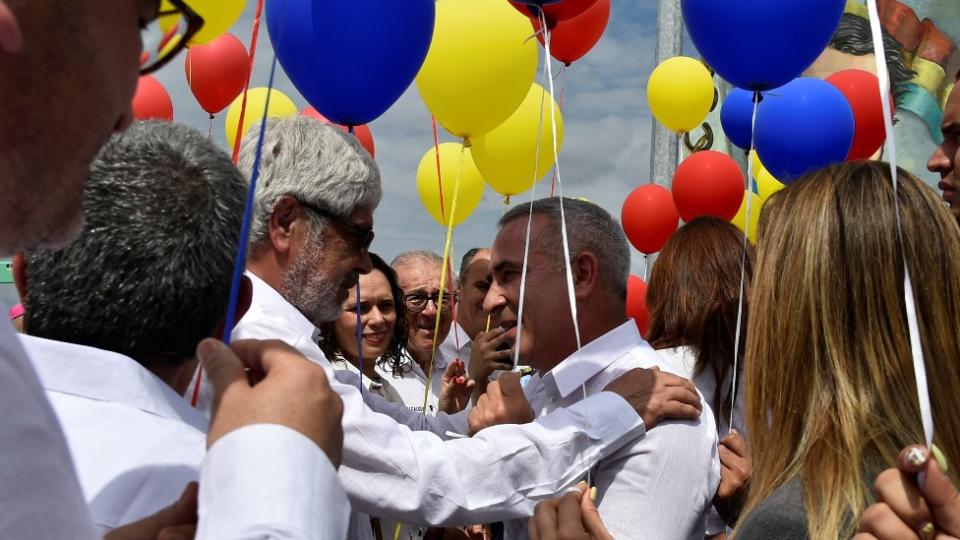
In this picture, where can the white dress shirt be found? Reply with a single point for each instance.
(390, 470)
(658, 486)
(412, 382)
(41, 498)
(135, 442)
(457, 335)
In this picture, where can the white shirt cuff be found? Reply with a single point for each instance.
(268, 481)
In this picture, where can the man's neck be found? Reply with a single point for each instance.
(596, 329)
(266, 267)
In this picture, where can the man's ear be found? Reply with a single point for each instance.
(10, 38)
(19, 267)
(280, 224)
(586, 274)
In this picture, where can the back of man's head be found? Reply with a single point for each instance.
(150, 275)
(312, 162)
(589, 228)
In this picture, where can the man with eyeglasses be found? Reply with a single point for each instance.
(70, 73)
(313, 211)
(429, 315)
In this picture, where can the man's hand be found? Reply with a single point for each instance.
(657, 395)
(486, 357)
(175, 522)
(735, 469)
(289, 390)
(903, 509)
(572, 517)
(456, 390)
(504, 403)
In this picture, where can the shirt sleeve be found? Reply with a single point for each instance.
(661, 486)
(269, 482)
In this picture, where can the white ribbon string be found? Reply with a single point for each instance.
(743, 263)
(916, 347)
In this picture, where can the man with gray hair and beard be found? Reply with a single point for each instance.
(312, 227)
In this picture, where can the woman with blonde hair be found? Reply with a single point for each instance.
(830, 388)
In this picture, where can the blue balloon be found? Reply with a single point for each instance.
(351, 59)
(803, 126)
(761, 44)
(736, 117)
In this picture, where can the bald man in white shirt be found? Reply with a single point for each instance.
(658, 486)
(70, 72)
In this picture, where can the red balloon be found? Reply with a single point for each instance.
(217, 72)
(649, 217)
(637, 303)
(708, 183)
(862, 90)
(152, 100)
(574, 37)
(553, 12)
(361, 132)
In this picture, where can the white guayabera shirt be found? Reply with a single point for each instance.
(397, 465)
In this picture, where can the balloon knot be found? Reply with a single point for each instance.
(467, 143)
(211, 116)
(506, 200)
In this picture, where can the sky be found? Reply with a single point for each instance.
(605, 154)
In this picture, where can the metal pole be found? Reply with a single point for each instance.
(664, 143)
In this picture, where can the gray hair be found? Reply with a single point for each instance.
(312, 162)
(589, 228)
(417, 256)
(150, 275)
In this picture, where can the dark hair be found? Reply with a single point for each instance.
(465, 264)
(694, 294)
(392, 357)
(150, 274)
(853, 36)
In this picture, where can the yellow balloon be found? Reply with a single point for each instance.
(281, 106)
(507, 156)
(767, 185)
(680, 93)
(471, 183)
(480, 65)
(740, 218)
(218, 17)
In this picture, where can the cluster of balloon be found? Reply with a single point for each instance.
(554, 11)
(361, 132)
(637, 303)
(217, 72)
(280, 106)
(509, 157)
(649, 217)
(708, 183)
(437, 193)
(151, 101)
(351, 59)
(572, 38)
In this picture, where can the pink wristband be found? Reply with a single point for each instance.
(16, 311)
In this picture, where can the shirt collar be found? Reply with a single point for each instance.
(268, 299)
(107, 376)
(594, 357)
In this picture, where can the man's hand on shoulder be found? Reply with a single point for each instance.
(657, 395)
(503, 403)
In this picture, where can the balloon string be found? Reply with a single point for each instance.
(359, 338)
(436, 154)
(443, 276)
(246, 87)
(910, 300)
(454, 307)
(563, 227)
(553, 180)
(210, 129)
(743, 263)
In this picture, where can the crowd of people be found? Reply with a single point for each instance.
(774, 395)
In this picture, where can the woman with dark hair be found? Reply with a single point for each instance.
(694, 298)
(382, 335)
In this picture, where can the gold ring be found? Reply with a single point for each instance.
(928, 531)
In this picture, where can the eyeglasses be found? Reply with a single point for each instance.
(358, 236)
(167, 33)
(417, 302)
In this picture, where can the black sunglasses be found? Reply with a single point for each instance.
(167, 34)
(360, 237)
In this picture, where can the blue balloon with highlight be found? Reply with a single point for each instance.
(803, 126)
(736, 117)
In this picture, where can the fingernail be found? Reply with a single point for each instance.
(593, 494)
(941, 458)
(916, 456)
(207, 348)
